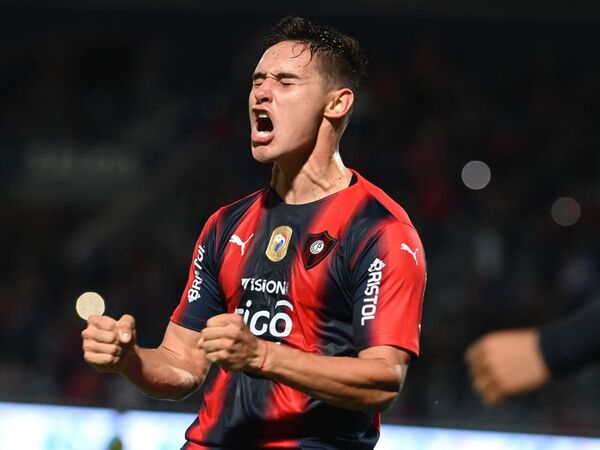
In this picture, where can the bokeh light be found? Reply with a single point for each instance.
(566, 211)
(476, 175)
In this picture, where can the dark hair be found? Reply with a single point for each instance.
(340, 56)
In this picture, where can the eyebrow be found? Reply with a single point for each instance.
(278, 76)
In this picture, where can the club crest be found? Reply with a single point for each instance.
(279, 242)
(316, 248)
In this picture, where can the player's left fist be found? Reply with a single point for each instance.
(228, 342)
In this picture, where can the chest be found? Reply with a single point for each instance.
(283, 271)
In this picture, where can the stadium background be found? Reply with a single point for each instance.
(122, 127)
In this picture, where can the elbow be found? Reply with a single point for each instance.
(383, 401)
(384, 397)
(181, 395)
(183, 392)
(168, 393)
(387, 401)
(380, 401)
(381, 398)
(187, 389)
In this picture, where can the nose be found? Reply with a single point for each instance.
(264, 91)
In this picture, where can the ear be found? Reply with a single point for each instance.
(340, 103)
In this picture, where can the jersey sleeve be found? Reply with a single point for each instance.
(573, 341)
(388, 282)
(201, 299)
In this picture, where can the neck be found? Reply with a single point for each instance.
(311, 180)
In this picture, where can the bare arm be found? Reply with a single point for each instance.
(370, 382)
(171, 371)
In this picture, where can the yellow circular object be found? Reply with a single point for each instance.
(89, 304)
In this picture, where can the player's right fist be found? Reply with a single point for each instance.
(108, 342)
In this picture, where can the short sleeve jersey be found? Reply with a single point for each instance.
(331, 277)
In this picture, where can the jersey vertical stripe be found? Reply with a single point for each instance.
(215, 396)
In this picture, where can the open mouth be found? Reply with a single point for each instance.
(264, 124)
(262, 129)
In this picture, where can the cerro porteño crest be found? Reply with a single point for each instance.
(316, 248)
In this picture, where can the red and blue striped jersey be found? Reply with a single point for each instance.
(332, 277)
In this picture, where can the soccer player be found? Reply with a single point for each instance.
(303, 304)
(512, 362)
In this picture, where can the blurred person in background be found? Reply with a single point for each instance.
(303, 304)
(511, 362)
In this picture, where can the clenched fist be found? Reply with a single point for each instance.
(506, 363)
(107, 342)
(228, 342)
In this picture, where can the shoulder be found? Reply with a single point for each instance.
(223, 221)
(378, 199)
(378, 212)
(380, 223)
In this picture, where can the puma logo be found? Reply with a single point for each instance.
(235, 239)
(406, 248)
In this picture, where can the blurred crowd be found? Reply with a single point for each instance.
(121, 133)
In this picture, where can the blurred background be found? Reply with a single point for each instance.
(123, 125)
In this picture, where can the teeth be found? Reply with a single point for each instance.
(263, 115)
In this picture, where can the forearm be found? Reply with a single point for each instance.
(160, 373)
(350, 383)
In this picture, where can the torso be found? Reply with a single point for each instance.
(298, 275)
